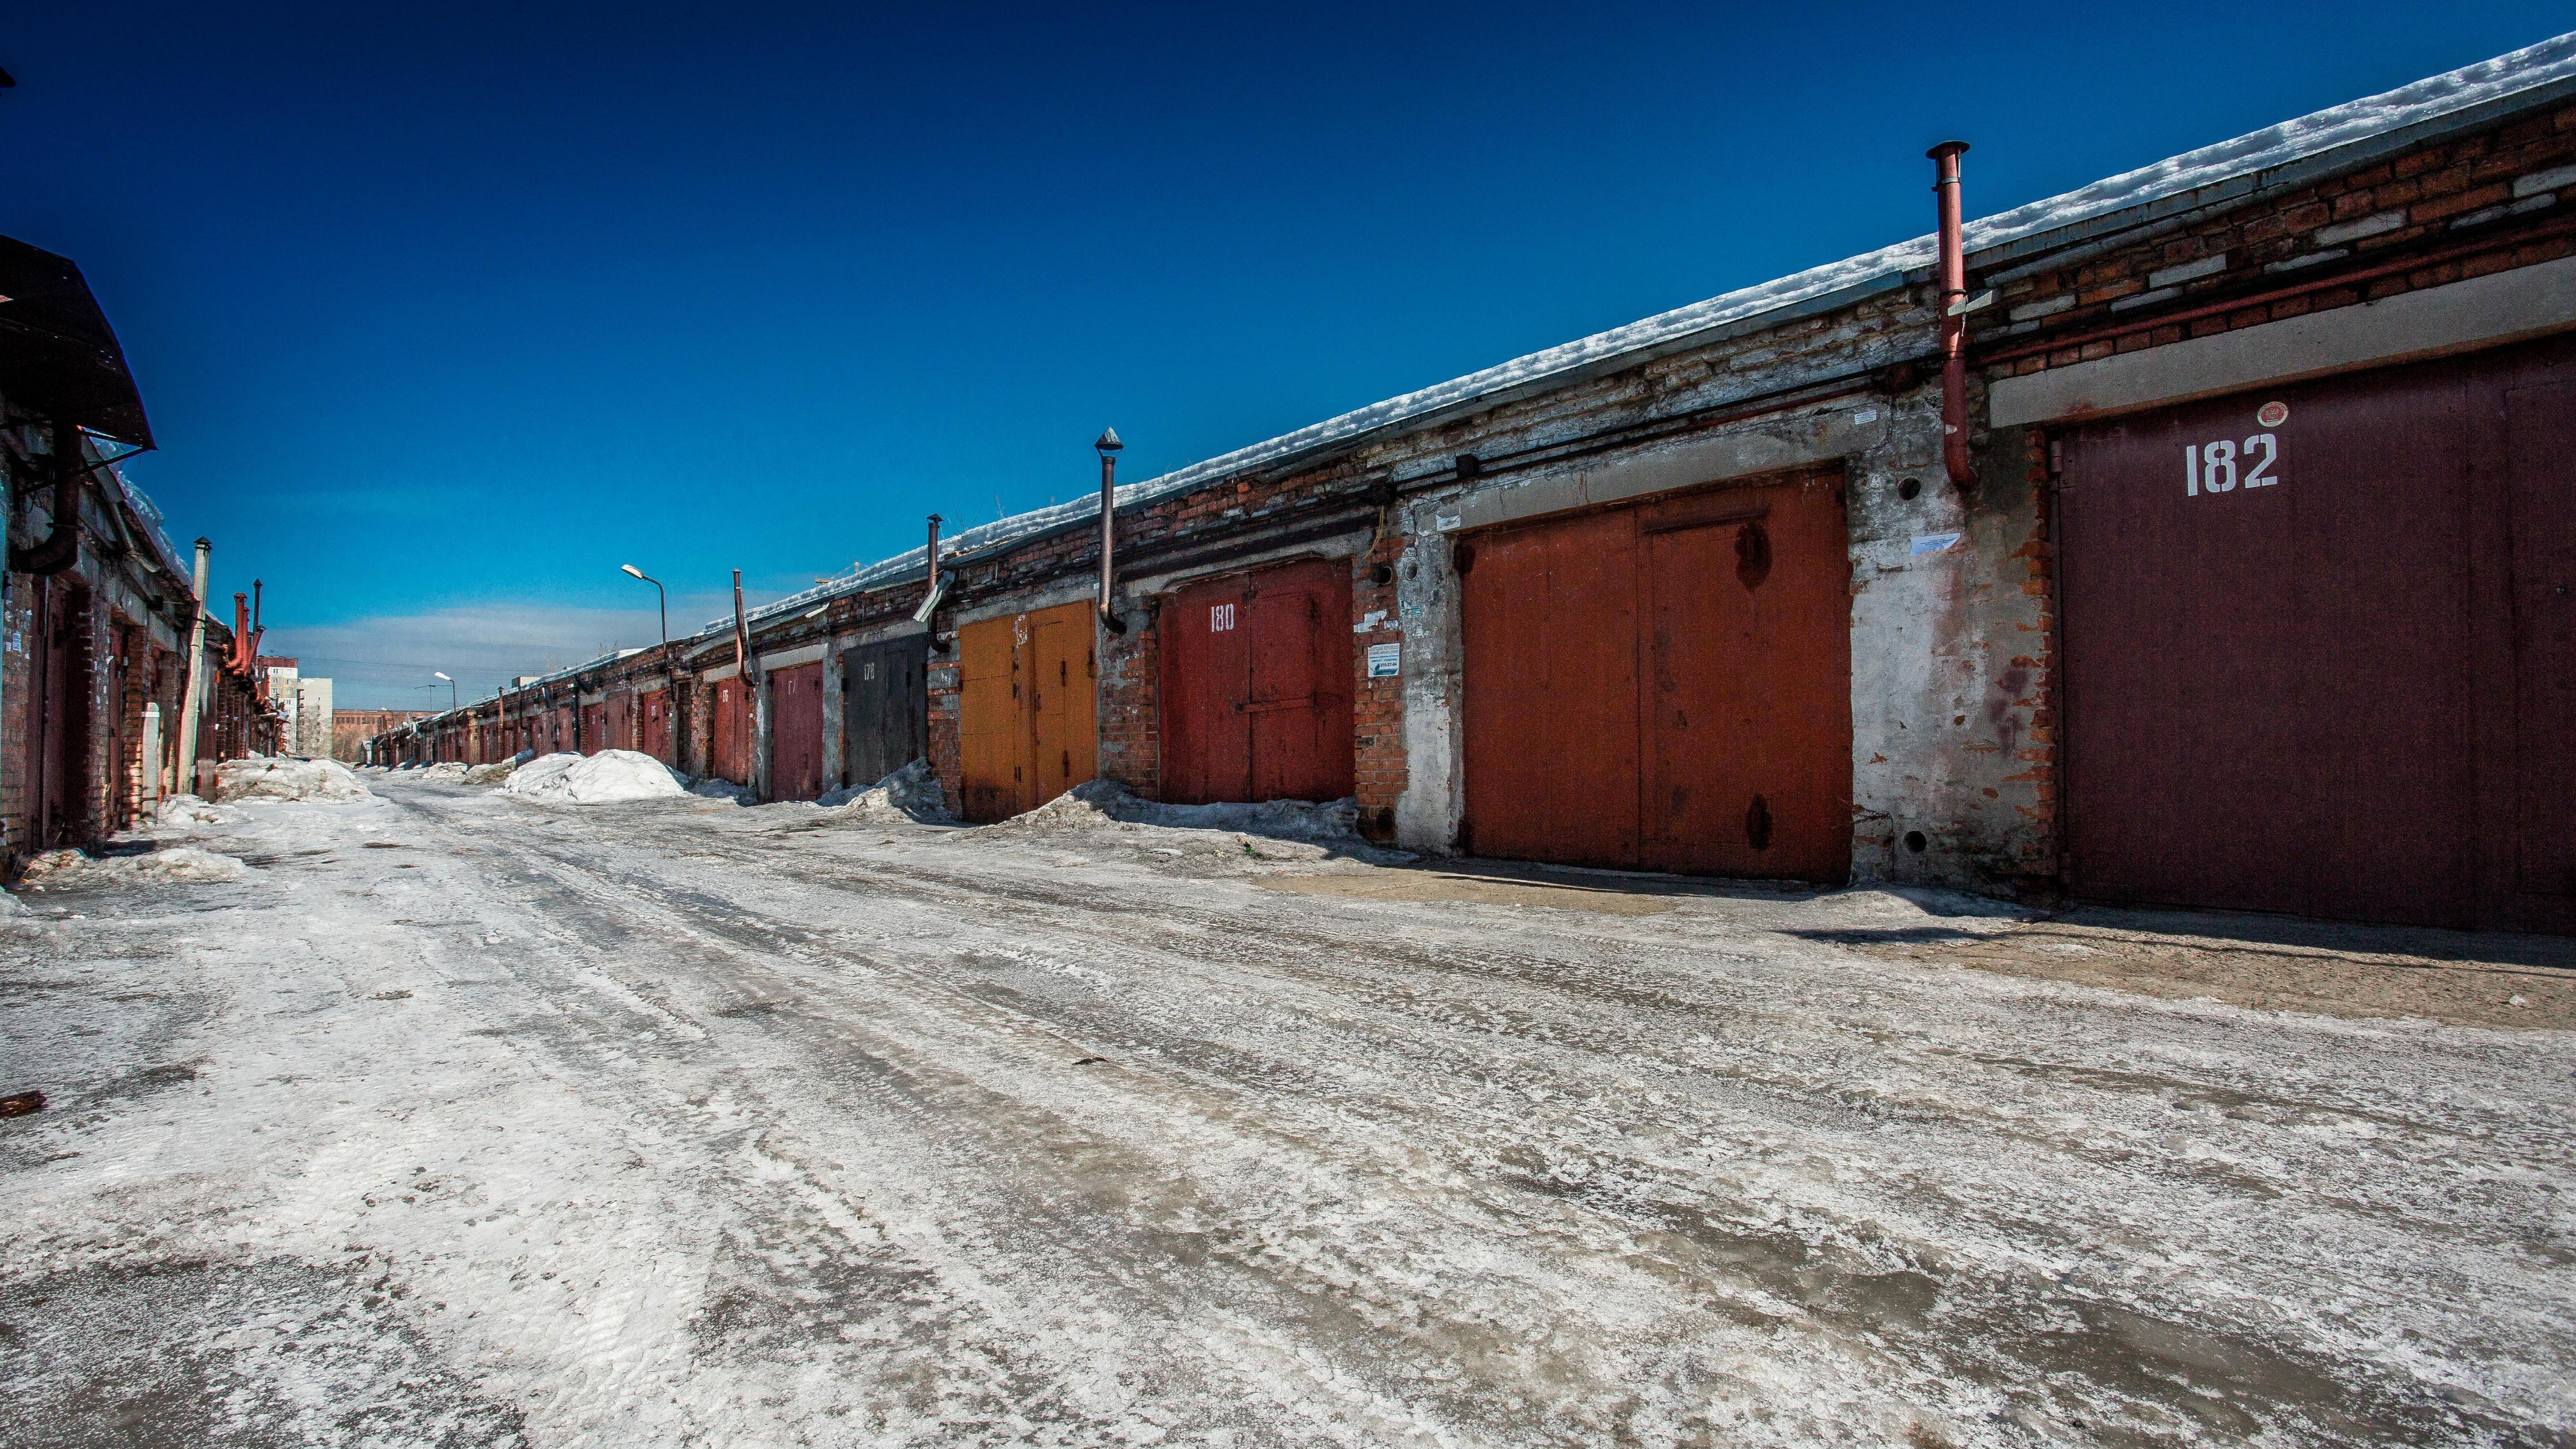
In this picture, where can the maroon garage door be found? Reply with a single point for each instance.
(1256, 674)
(2320, 651)
(796, 732)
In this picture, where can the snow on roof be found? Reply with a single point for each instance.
(2429, 100)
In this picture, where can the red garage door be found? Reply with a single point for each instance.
(1256, 675)
(796, 732)
(1665, 685)
(729, 732)
(2320, 650)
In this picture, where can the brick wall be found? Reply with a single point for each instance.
(2464, 207)
(1130, 702)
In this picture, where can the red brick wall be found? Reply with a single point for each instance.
(2462, 208)
(1130, 695)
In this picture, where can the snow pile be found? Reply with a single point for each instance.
(497, 771)
(185, 810)
(911, 793)
(180, 862)
(261, 778)
(1106, 804)
(445, 770)
(611, 777)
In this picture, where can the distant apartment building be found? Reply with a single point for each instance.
(303, 707)
(350, 729)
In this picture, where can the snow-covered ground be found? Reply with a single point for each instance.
(463, 1119)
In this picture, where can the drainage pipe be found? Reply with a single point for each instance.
(1954, 315)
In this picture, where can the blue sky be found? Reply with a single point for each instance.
(441, 314)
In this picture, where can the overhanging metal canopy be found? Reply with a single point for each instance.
(58, 356)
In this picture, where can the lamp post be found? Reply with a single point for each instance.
(659, 592)
(1108, 445)
(451, 686)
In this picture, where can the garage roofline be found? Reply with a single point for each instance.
(2113, 212)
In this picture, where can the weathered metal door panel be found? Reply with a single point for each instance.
(59, 699)
(2540, 484)
(656, 725)
(729, 732)
(1298, 697)
(2267, 646)
(1255, 673)
(885, 707)
(992, 755)
(796, 732)
(594, 728)
(1747, 683)
(1203, 672)
(1549, 624)
(1063, 716)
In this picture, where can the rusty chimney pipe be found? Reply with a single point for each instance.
(1108, 445)
(1954, 317)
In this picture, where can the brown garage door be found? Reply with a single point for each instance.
(1027, 724)
(796, 732)
(2317, 647)
(1666, 685)
(1255, 673)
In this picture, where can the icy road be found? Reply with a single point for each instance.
(458, 1119)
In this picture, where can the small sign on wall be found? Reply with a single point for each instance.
(1385, 661)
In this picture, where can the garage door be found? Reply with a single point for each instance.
(729, 732)
(656, 727)
(885, 707)
(1665, 686)
(796, 732)
(1027, 726)
(1255, 673)
(2317, 645)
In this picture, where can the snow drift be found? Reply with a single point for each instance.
(912, 793)
(498, 770)
(1106, 804)
(179, 862)
(611, 777)
(263, 778)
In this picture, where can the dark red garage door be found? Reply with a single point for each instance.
(796, 732)
(2319, 648)
(1256, 675)
(1665, 685)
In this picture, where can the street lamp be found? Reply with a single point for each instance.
(632, 571)
(451, 686)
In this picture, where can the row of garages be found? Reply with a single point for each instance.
(101, 713)
(2203, 537)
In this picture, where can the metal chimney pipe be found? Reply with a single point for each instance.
(1954, 317)
(930, 558)
(1109, 445)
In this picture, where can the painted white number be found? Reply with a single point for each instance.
(2211, 467)
(1220, 618)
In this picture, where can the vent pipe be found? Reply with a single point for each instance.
(1109, 445)
(1954, 315)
